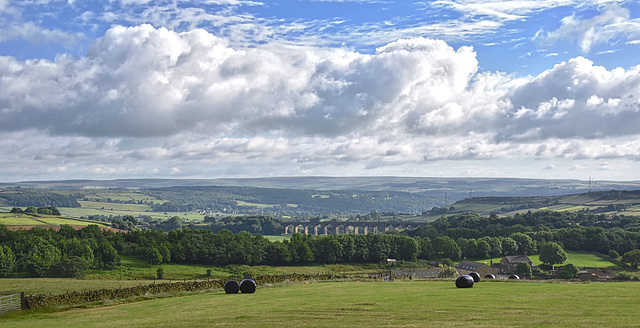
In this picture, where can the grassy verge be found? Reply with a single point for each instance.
(370, 304)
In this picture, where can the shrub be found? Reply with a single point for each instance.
(448, 272)
(447, 262)
(626, 276)
(523, 269)
(569, 271)
(160, 273)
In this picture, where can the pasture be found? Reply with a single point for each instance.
(369, 304)
(21, 219)
(579, 259)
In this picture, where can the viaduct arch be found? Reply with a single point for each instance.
(340, 228)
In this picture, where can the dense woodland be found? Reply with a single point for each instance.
(38, 198)
(49, 253)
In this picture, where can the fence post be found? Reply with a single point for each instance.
(23, 302)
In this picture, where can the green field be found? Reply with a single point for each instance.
(579, 259)
(13, 219)
(370, 304)
(277, 238)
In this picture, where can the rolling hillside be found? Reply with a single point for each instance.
(611, 202)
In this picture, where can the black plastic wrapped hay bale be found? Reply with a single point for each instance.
(464, 281)
(231, 287)
(248, 286)
(489, 276)
(514, 276)
(475, 276)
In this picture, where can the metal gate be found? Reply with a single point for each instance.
(10, 303)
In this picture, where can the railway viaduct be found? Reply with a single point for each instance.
(339, 228)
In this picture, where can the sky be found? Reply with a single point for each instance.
(234, 88)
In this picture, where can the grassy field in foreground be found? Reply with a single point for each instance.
(370, 304)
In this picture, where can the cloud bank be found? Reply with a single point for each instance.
(148, 100)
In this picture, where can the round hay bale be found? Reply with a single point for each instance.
(248, 286)
(475, 276)
(514, 276)
(489, 276)
(464, 281)
(231, 287)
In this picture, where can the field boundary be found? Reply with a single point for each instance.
(40, 301)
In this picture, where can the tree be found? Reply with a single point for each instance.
(523, 269)
(495, 246)
(40, 257)
(105, 255)
(174, 223)
(509, 246)
(569, 271)
(552, 253)
(299, 248)
(152, 255)
(72, 267)
(526, 245)
(444, 246)
(7, 261)
(327, 249)
(425, 248)
(632, 258)
(484, 249)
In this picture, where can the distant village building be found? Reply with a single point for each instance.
(508, 263)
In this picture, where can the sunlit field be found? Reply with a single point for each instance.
(370, 304)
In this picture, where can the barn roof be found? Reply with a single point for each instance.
(469, 265)
(517, 259)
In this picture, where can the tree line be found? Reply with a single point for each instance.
(37, 251)
(38, 198)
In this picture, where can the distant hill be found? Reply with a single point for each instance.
(611, 202)
(317, 195)
(452, 189)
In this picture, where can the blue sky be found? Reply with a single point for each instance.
(207, 89)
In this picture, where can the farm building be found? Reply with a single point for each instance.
(508, 263)
(465, 267)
